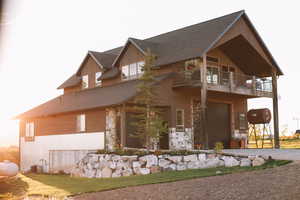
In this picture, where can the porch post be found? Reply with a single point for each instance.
(275, 108)
(123, 126)
(203, 103)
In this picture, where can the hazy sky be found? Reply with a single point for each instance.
(43, 43)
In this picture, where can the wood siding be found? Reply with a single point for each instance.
(66, 123)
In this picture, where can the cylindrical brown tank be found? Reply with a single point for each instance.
(259, 116)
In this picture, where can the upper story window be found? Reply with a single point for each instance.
(132, 71)
(85, 82)
(29, 129)
(179, 120)
(97, 76)
(80, 123)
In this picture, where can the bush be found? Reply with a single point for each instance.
(219, 147)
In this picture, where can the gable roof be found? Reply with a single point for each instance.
(88, 99)
(192, 41)
(70, 82)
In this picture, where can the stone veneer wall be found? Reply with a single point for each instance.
(112, 165)
(110, 132)
(181, 140)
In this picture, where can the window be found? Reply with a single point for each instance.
(212, 59)
(85, 82)
(81, 123)
(132, 71)
(29, 130)
(97, 76)
(180, 120)
(212, 75)
(125, 72)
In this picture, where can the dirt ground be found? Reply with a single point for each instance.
(277, 183)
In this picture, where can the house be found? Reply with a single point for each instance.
(204, 74)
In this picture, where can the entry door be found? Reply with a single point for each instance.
(218, 126)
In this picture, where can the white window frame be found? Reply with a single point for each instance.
(81, 123)
(85, 82)
(98, 75)
(134, 70)
(179, 127)
(29, 129)
(122, 71)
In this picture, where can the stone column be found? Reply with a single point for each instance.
(111, 129)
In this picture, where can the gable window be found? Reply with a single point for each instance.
(29, 130)
(80, 123)
(85, 82)
(132, 71)
(180, 120)
(97, 76)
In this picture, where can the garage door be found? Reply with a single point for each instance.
(218, 128)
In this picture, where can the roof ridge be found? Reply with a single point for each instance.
(217, 18)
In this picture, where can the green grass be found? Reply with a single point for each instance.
(62, 185)
(284, 144)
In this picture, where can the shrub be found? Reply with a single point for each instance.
(219, 147)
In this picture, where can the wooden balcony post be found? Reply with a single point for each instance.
(275, 109)
(254, 85)
(231, 82)
(203, 114)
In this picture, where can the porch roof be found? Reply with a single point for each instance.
(89, 99)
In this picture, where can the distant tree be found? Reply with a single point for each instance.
(149, 124)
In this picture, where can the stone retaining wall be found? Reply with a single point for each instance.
(112, 165)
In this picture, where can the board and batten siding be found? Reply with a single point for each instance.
(59, 133)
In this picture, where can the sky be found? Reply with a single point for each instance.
(44, 42)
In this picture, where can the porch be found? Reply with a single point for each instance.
(228, 82)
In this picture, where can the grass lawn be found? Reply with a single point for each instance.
(284, 144)
(60, 186)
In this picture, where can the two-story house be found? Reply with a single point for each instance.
(204, 74)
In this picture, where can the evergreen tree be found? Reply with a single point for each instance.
(149, 124)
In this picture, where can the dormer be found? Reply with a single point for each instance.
(89, 72)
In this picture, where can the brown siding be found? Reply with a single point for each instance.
(66, 123)
(242, 28)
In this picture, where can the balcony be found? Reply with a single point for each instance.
(229, 82)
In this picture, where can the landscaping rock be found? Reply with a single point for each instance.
(213, 162)
(245, 162)
(190, 158)
(75, 172)
(106, 172)
(258, 161)
(211, 155)
(127, 172)
(175, 159)
(194, 164)
(144, 171)
(230, 161)
(136, 164)
(155, 169)
(164, 163)
(181, 166)
(171, 167)
(151, 160)
(202, 157)
(98, 174)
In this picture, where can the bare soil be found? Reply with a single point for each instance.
(276, 183)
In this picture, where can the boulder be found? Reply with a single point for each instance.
(155, 169)
(98, 174)
(245, 162)
(252, 157)
(90, 173)
(213, 162)
(171, 167)
(202, 157)
(175, 159)
(76, 172)
(190, 158)
(163, 163)
(117, 173)
(93, 158)
(258, 161)
(136, 164)
(195, 164)
(106, 172)
(211, 155)
(116, 157)
(181, 166)
(107, 157)
(144, 171)
(122, 164)
(151, 160)
(89, 166)
(230, 161)
(127, 172)
(129, 158)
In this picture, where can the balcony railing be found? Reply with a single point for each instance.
(227, 82)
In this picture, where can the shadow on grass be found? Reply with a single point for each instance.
(74, 186)
(13, 187)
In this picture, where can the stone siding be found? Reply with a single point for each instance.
(181, 140)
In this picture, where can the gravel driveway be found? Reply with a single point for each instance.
(278, 183)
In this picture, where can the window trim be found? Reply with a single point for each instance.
(29, 131)
(98, 82)
(79, 123)
(179, 128)
(136, 74)
(87, 82)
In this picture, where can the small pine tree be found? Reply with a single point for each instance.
(149, 124)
